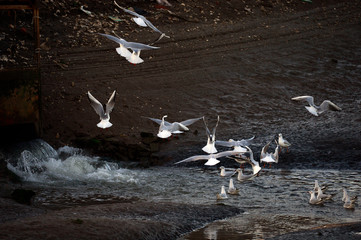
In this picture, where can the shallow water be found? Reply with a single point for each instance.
(276, 202)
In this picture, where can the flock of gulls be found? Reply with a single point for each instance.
(241, 152)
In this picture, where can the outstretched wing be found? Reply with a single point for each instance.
(195, 158)
(98, 107)
(328, 105)
(127, 11)
(110, 104)
(309, 99)
(190, 121)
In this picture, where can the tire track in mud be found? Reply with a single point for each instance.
(193, 52)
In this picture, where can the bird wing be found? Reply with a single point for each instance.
(207, 129)
(150, 24)
(115, 39)
(138, 46)
(98, 107)
(190, 121)
(159, 121)
(127, 11)
(227, 143)
(110, 104)
(328, 105)
(214, 130)
(195, 158)
(226, 153)
(309, 99)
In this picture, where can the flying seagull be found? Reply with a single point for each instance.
(166, 129)
(134, 46)
(211, 138)
(317, 110)
(238, 145)
(269, 157)
(142, 21)
(211, 158)
(99, 109)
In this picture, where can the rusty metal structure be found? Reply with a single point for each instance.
(20, 88)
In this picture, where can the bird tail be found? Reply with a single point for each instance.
(104, 124)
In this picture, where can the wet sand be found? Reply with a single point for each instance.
(240, 60)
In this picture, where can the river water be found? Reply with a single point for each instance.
(276, 202)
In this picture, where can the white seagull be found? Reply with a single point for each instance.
(238, 145)
(211, 158)
(321, 195)
(225, 173)
(99, 109)
(346, 196)
(134, 46)
(315, 200)
(166, 129)
(223, 194)
(248, 156)
(243, 177)
(142, 21)
(211, 138)
(283, 142)
(269, 157)
(317, 110)
(231, 189)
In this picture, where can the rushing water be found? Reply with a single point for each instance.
(276, 202)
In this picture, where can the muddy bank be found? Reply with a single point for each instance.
(132, 219)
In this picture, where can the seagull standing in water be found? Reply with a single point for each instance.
(315, 200)
(283, 143)
(134, 57)
(225, 173)
(231, 189)
(347, 199)
(222, 195)
(211, 138)
(142, 21)
(104, 114)
(317, 110)
(243, 177)
(166, 129)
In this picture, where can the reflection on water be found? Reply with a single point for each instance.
(276, 202)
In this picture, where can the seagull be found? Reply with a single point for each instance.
(211, 158)
(269, 157)
(99, 109)
(231, 189)
(315, 200)
(317, 110)
(225, 173)
(348, 202)
(283, 142)
(210, 147)
(321, 195)
(243, 177)
(142, 21)
(166, 129)
(248, 156)
(237, 145)
(134, 46)
(346, 196)
(222, 195)
(317, 186)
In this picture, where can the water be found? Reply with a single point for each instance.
(276, 202)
